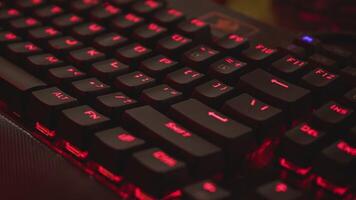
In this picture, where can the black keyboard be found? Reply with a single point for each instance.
(156, 105)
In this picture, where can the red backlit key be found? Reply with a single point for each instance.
(260, 53)
(161, 96)
(66, 21)
(89, 88)
(23, 49)
(200, 56)
(24, 23)
(77, 125)
(126, 23)
(134, 83)
(301, 145)
(63, 75)
(87, 31)
(105, 11)
(133, 53)
(184, 79)
(228, 69)
(114, 104)
(290, 67)
(333, 115)
(111, 148)
(174, 45)
(8, 14)
(86, 56)
(163, 131)
(8, 37)
(29, 4)
(232, 43)
(255, 113)
(108, 69)
(42, 62)
(64, 44)
(155, 165)
(277, 190)
(235, 138)
(276, 91)
(110, 41)
(158, 66)
(48, 12)
(206, 189)
(213, 93)
(195, 28)
(44, 33)
(168, 17)
(45, 105)
(83, 5)
(147, 7)
(336, 163)
(149, 33)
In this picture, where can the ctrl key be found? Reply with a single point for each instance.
(158, 167)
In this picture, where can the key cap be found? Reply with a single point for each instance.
(85, 57)
(48, 12)
(349, 74)
(44, 33)
(161, 96)
(149, 33)
(277, 190)
(255, 113)
(174, 45)
(111, 148)
(8, 14)
(64, 75)
(228, 69)
(122, 3)
(89, 88)
(147, 7)
(327, 62)
(336, 162)
(28, 4)
(308, 42)
(213, 93)
(336, 52)
(295, 50)
(66, 21)
(114, 104)
(133, 53)
(83, 5)
(24, 23)
(302, 144)
(42, 62)
(109, 42)
(126, 23)
(350, 97)
(8, 37)
(235, 138)
(195, 28)
(184, 79)
(87, 31)
(158, 66)
(64, 44)
(200, 56)
(205, 190)
(276, 91)
(155, 165)
(290, 67)
(332, 115)
(197, 152)
(16, 84)
(45, 105)
(232, 43)
(260, 53)
(168, 17)
(104, 11)
(134, 83)
(108, 69)
(23, 49)
(77, 125)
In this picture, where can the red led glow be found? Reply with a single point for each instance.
(56, 9)
(92, 114)
(140, 49)
(126, 137)
(279, 83)
(154, 27)
(292, 167)
(209, 187)
(151, 3)
(13, 12)
(305, 128)
(116, 38)
(325, 74)
(114, 64)
(71, 42)
(43, 129)
(218, 116)
(191, 73)
(281, 187)
(165, 158)
(175, 12)
(75, 19)
(178, 129)
(338, 109)
(179, 38)
(331, 187)
(10, 36)
(110, 8)
(124, 99)
(132, 18)
(31, 21)
(95, 27)
(93, 52)
(142, 77)
(236, 38)
(31, 47)
(51, 31)
(90, 2)
(170, 91)
(343, 146)
(295, 61)
(165, 61)
(75, 151)
(141, 195)
(52, 59)
(74, 71)
(220, 86)
(60, 96)
(108, 174)
(197, 22)
(36, 2)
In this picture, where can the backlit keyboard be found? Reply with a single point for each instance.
(154, 105)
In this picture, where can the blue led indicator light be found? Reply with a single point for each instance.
(307, 38)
